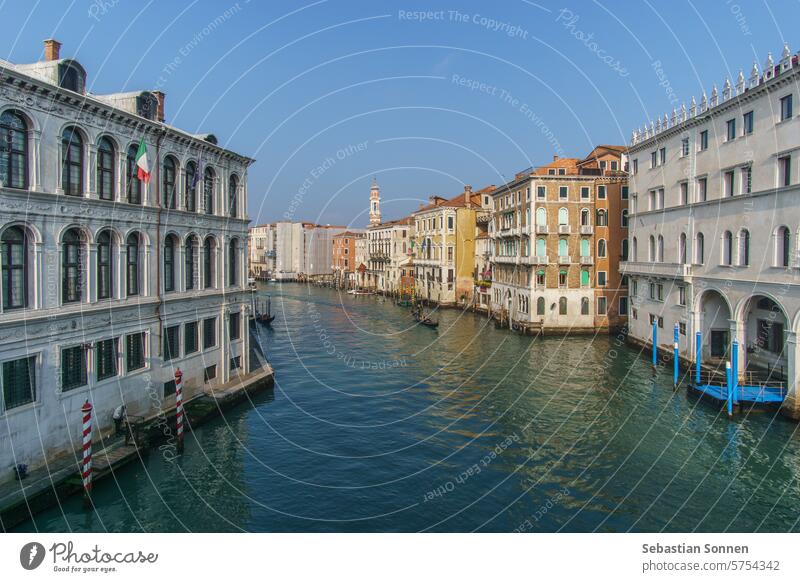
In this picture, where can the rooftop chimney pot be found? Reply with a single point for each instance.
(555, 158)
(52, 50)
(159, 95)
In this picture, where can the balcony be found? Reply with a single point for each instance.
(541, 229)
(585, 260)
(587, 229)
(508, 260)
(655, 269)
(540, 259)
(564, 260)
(564, 229)
(379, 257)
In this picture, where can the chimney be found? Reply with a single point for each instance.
(555, 158)
(467, 188)
(160, 109)
(52, 50)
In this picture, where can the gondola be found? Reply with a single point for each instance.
(426, 321)
(265, 318)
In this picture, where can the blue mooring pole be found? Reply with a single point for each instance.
(729, 383)
(675, 334)
(698, 350)
(735, 370)
(655, 342)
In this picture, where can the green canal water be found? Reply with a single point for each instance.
(376, 424)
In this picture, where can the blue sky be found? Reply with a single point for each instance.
(326, 94)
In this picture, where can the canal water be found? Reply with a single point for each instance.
(377, 424)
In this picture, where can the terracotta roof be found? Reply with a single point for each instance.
(459, 201)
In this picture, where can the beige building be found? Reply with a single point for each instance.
(389, 254)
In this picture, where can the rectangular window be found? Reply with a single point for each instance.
(785, 170)
(624, 192)
(601, 278)
(19, 382)
(685, 147)
(74, 368)
(562, 171)
(684, 193)
(614, 165)
(652, 290)
(450, 222)
(731, 129)
(623, 306)
(169, 388)
(704, 140)
(562, 192)
(682, 328)
(190, 341)
(236, 363)
(660, 292)
(601, 192)
(602, 304)
(635, 287)
(636, 166)
(234, 322)
(106, 352)
(209, 332)
(653, 159)
(584, 192)
(134, 350)
(662, 156)
(551, 172)
(210, 373)
(172, 342)
(747, 180)
(728, 180)
(602, 164)
(786, 108)
(635, 313)
(681, 295)
(450, 253)
(541, 192)
(747, 123)
(702, 189)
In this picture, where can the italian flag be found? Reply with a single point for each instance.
(142, 163)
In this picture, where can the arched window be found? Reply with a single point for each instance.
(585, 217)
(563, 249)
(602, 218)
(169, 174)
(13, 150)
(169, 263)
(584, 278)
(584, 305)
(190, 259)
(682, 249)
(541, 216)
(602, 249)
(562, 305)
(541, 247)
(562, 278)
(635, 250)
(783, 247)
(585, 247)
(105, 169)
(624, 249)
(540, 278)
(105, 266)
(625, 218)
(699, 248)
(660, 249)
(208, 263)
(208, 191)
(744, 247)
(233, 196)
(15, 268)
(133, 270)
(233, 258)
(192, 178)
(133, 186)
(72, 162)
(727, 248)
(540, 306)
(72, 270)
(651, 251)
(563, 216)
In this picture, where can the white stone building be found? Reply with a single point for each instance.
(714, 225)
(389, 254)
(109, 284)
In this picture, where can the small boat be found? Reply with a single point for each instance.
(359, 292)
(423, 320)
(265, 317)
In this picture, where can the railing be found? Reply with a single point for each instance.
(541, 229)
(564, 229)
(587, 229)
(541, 259)
(564, 260)
(661, 269)
(585, 260)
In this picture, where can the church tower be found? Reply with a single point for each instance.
(374, 204)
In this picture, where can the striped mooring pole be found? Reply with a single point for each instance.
(675, 354)
(179, 408)
(729, 387)
(655, 342)
(86, 465)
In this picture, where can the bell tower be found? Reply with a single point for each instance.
(374, 203)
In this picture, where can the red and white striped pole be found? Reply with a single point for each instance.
(86, 467)
(179, 408)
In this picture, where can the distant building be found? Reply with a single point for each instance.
(343, 255)
(294, 250)
(389, 254)
(261, 250)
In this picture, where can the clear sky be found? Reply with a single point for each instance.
(326, 94)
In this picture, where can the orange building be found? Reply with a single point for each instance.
(343, 255)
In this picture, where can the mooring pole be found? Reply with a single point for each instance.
(86, 469)
(179, 409)
(698, 350)
(675, 334)
(728, 374)
(655, 341)
(735, 370)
